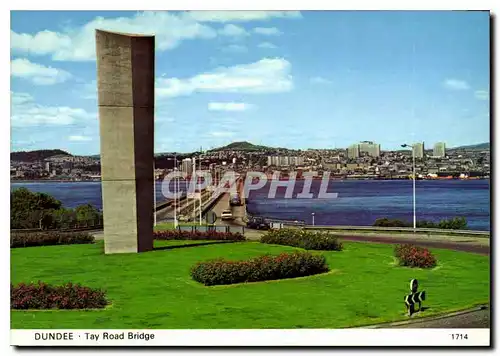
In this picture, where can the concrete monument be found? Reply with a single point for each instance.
(125, 83)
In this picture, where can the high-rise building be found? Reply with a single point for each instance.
(439, 149)
(187, 166)
(353, 151)
(47, 166)
(418, 150)
(296, 160)
(274, 161)
(284, 161)
(372, 149)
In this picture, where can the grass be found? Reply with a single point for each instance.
(154, 289)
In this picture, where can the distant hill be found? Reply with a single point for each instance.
(479, 146)
(38, 155)
(243, 146)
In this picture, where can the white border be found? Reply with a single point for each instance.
(254, 5)
(269, 337)
(309, 335)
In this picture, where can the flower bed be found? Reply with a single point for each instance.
(263, 268)
(44, 296)
(198, 235)
(29, 239)
(308, 240)
(414, 256)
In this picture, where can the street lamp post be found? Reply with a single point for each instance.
(414, 195)
(199, 188)
(312, 214)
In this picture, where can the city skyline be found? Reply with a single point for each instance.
(425, 148)
(393, 78)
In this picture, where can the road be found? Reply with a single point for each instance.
(239, 212)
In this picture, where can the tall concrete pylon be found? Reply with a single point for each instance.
(125, 83)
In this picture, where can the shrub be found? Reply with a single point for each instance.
(198, 235)
(44, 296)
(414, 256)
(452, 224)
(263, 268)
(47, 238)
(455, 223)
(384, 222)
(308, 240)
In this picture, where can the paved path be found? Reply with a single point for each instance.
(423, 241)
(449, 245)
(472, 320)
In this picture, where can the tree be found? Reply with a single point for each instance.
(24, 204)
(64, 218)
(88, 213)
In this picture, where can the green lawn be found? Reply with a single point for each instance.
(154, 289)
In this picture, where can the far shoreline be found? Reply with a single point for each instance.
(314, 179)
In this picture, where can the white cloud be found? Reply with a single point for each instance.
(79, 44)
(267, 31)
(482, 94)
(38, 74)
(456, 84)
(320, 80)
(235, 48)
(170, 29)
(25, 112)
(231, 30)
(233, 16)
(20, 98)
(267, 45)
(229, 106)
(79, 138)
(269, 75)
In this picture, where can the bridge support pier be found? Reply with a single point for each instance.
(125, 82)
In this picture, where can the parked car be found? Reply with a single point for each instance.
(227, 215)
(258, 224)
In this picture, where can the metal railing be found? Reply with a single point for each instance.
(67, 226)
(206, 228)
(398, 229)
(278, 221)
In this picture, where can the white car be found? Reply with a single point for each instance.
(226, 215)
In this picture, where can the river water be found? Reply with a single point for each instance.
(359, 202)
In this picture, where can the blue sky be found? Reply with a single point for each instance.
(319, 79)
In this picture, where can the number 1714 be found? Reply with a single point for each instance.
(459, 337)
